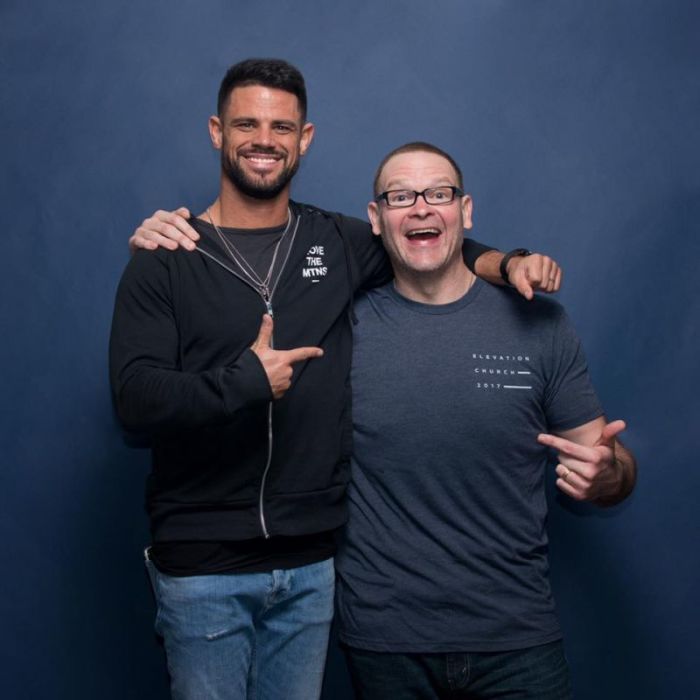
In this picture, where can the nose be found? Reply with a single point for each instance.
(420, 207)
(264, 136)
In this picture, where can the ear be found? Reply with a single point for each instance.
(467, 207)
(373, 214)
(307, 136)
(215, 132)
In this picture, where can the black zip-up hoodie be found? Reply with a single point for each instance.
(229, 463)
(182, 372)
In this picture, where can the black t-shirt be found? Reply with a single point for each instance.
(242, 556)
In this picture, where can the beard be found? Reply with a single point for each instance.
(257, 188)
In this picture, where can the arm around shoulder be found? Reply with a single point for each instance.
(527, 272)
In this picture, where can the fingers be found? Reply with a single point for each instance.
(301, 354)
(587, 473)
(534, 273)
(138, 241)
(570, 489)
(262, 342)
(278, 364)
(581, 461)
(549, 275)
(555, 281)
(585, 484)
(150, 240)
(524, 274)
(573, 449)
(567, 447)
(571, 477)
(165, 229)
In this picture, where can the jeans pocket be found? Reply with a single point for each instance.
(153, 578)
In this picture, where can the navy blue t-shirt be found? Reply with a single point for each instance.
(446, 548)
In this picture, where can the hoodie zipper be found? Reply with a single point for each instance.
(261, 506)
(267, 300)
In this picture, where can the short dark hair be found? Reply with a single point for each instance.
(268, 72)
(412, 147)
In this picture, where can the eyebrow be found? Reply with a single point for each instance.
(256, 120)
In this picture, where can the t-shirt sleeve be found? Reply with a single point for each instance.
(570, 399)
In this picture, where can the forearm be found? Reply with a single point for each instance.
(525, 271)
(154, 401)
(487, 266)
(152, 392)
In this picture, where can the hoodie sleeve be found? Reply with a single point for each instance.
(151, 393)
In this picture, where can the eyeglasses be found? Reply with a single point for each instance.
(432, 195)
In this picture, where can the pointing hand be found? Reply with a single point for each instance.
(588, 473)
(534, 273)
(278, 364)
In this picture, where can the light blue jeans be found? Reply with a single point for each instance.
(248, 636)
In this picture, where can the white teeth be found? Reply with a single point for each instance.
(417, 232)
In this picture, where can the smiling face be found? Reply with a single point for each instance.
(261, 136)
(423, 239)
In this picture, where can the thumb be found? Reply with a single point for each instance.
(607, 435)
(264, 334)
(184, 212)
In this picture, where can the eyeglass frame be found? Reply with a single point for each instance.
(456, 192)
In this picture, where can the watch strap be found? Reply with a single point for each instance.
(515, 253)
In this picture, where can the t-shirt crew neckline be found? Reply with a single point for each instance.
(272, 230)
(420, 307)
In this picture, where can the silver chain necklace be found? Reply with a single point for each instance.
(263, 286)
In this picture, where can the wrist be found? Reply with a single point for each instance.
(623, 486)
(516, 253)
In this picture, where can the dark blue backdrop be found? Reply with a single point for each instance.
(576, 123)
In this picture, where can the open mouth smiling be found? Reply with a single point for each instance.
(423, 234)
(262, 161)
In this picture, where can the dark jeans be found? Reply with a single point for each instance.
(537, 673)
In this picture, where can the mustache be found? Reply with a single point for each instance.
(262, 151)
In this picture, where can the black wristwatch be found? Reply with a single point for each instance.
(517, 253)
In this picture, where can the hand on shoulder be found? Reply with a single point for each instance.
(165, 229)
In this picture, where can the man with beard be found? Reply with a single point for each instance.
(251, 438)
